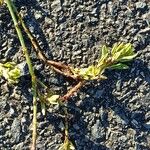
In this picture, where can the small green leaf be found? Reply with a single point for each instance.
(10, 72)
(127, 58)
(9, 64)
(117, 47)
(122, 53)
(114, 48)
(67, 145)
(119, 66)
(102, 60)
(104, 51)
(15, 73)
(54, 99)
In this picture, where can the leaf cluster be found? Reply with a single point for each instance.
(110, 58)
(10, 72)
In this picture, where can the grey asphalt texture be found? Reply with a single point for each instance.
(109, 115)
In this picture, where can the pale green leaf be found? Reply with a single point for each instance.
(119, 66)
(54, 99)
(127, 58)
(124, 50)
(104, 55)
(90, 70)
(10, 72)
(117, 47)
(9, 64)
(83, 71)
(67, 145)
(113, 51)
(104, 51)
(15, 73)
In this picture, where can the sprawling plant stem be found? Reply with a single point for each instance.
(31, 70)
(57, 66)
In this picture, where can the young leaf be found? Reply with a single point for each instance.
(54, 99)
(124, 52)
(127, 58)
(102, 60)
(67, 145)
(119, 66)
(113, 51)
(10, 72)
(14, 74)
(9, 64)
(104, 51)
(117, 47)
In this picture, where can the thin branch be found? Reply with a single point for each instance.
(72, 91)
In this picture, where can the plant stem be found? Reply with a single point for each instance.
(31, 70)
(66, 124)
(72, 91)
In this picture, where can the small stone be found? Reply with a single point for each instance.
(140, 5)
(135, 124)
(24, 68)
(38, 15)
(98, 93)
(97, 131)
(23, 120)
(10, 51)
(76, 126)
(94, 11)
(11, 112)
(93, 20)
(147, 125)
(61, 126)
(79, 17)
(19, 146)
(56, 5)
(15, 130)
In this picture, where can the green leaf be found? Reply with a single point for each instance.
(104, 51)
(104, 56)
(15, 73)
(9, 64)
(10, 72)
(124, 52)
(116, 47)
(127, 58)
(119, 66)
(54, 99)
(67, 145)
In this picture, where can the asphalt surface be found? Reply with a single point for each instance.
(110, 115)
